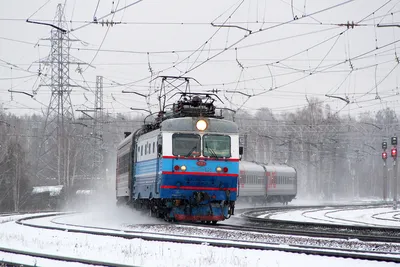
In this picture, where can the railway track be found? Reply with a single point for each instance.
(55, 258)
(216, 241)
(367, 232)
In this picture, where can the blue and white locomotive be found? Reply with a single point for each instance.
(183, 167)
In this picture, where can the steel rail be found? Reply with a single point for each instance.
(217, 242)
(243, 228)
(288, 207)
(314, 229)
(55, 257)
(2, 214)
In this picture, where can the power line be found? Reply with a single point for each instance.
(240, 40)
(113, 12)
(201, 23)
(262, 30)
(104, 38)
(17, 78)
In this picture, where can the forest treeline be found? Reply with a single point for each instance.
(336, 155)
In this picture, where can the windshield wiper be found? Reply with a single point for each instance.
(191, 151)
(212, 151)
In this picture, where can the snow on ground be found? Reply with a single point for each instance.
(117, 218)
(191, 232)
(138, 252)
(373, 216)
(309, 202)
(27, 260)
(13, 217)
(384, 216)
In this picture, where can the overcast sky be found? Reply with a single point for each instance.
(280, 67)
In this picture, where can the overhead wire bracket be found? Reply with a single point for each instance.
(21, 92)
(341, 98)
(239, 92)
(230, 26)
(47, 24)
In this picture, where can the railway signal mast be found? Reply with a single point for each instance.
(385, 171)
(393, 152)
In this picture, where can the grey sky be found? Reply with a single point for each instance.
(158, 33)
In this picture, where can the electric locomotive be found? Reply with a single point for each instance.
(184, 166)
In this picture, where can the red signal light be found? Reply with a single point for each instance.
(394, 152)
(384, 155)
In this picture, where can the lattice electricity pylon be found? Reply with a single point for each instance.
(98, 158)
(53, 158)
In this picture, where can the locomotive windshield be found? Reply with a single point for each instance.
(186, 145)
(217, 146)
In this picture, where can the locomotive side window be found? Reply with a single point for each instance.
(123, 164)
(218, 146)
(154, 147)
(186, 145)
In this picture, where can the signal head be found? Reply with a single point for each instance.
(384, 155)
(394, 152)
(394, 141)
(384, 145)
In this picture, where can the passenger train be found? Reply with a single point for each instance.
(266, 183)
(184, 166)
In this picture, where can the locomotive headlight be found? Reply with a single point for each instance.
(183, 168)
(218, 169)
(201, 125)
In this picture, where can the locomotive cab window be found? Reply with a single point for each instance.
(186, 145)
(218, 146)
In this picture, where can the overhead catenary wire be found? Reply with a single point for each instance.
(177, 51)
(104, 38)
(113, 12)
(265, 29)
(17, 78)
(324, 69)
(240, 40)
(327, 67)
(196, 23)
(334, 45)
(15, 66)
(322, 65)
(201, 48)
(40, 8)
(95, 11)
